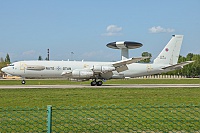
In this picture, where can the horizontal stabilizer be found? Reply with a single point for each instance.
(178, 66)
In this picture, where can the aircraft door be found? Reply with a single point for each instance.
(23, 67)
(149, 68)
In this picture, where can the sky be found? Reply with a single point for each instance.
(80, 29)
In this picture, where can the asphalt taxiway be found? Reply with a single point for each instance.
(103, 86)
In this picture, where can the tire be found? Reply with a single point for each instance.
(93, 83)
(99, 83)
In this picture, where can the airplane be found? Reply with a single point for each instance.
(99, 71)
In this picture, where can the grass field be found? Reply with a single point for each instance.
(90, 96)
(120, 81)
(102, 119)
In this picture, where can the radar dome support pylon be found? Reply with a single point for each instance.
(124, 47)
(124, 53)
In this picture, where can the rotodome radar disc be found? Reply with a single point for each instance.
(126, 44)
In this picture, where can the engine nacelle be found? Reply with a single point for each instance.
(107, 75)
(82, 73)
(98, 69)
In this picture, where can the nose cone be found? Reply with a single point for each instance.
(3, 69)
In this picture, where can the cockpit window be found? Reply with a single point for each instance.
(11, 64)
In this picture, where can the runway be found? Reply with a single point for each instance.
(103, 86)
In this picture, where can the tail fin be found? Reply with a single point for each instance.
(170, 53)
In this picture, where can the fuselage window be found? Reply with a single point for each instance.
(67, 68)
(49, 68)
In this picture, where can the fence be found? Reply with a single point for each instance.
(165, 118)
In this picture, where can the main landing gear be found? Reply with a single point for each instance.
(98, 83)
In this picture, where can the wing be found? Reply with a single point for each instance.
(122, 65)
(178, 66)
(101, 71)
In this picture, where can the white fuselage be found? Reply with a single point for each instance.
(54, 69)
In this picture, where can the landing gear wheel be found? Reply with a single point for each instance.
(23, 82)
(99, 83)
(93, 83)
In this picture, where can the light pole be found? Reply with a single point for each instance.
(48, 54)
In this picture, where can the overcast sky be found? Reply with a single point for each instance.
(29, 27)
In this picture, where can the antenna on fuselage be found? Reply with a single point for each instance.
(124, 47)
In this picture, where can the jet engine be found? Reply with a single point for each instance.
(107, 75)
(82, 73)
(103, 69)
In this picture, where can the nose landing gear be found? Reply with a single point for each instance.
(23, 81)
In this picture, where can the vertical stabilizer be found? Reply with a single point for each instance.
(170, 53)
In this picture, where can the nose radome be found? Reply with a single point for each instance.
(3, 69)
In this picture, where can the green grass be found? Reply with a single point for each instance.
(176, 118)
(154, 81)
(88, 96)
(114, 81)
(101, 109)
(97, 96)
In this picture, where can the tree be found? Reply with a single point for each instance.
(40, 58)
(146, 54)
(181, 71)
(2, 64)
(190, 70)
(7, 59)
(189, 57)
(196, 65)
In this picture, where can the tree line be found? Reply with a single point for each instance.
(40, 58)
(191, 70)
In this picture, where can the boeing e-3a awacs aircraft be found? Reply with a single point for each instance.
(98, 71)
